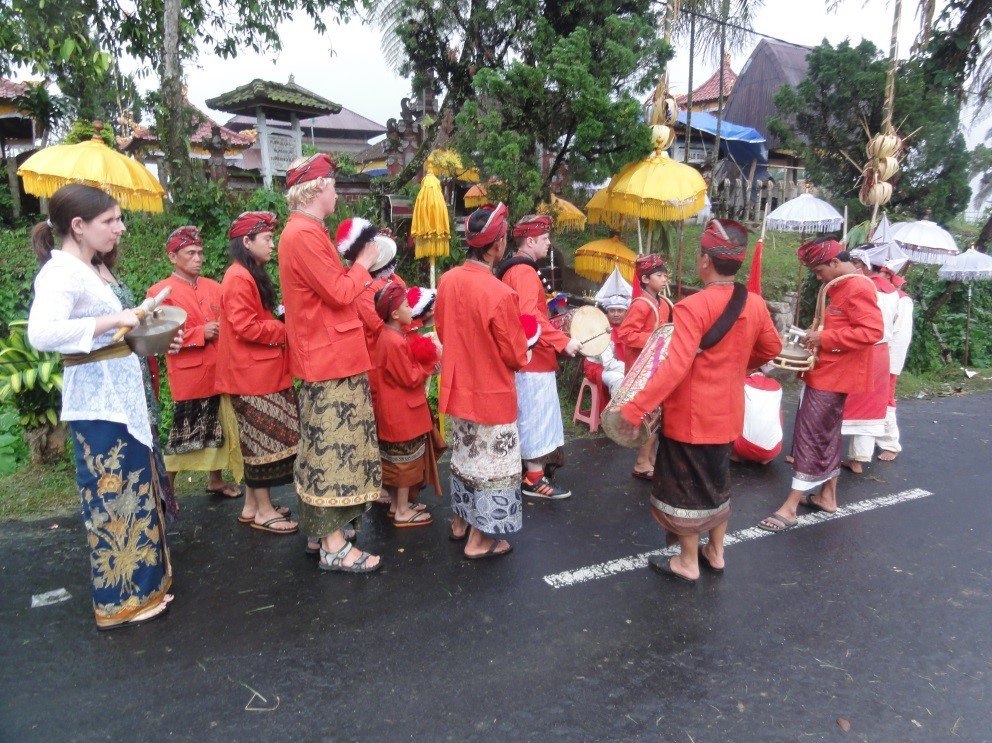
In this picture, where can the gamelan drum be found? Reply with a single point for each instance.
(615, 425)
(590, 327)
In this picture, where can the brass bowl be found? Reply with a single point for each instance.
(156, 332)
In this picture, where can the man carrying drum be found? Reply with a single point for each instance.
(720, 333)
(542, 434)
(842, 342)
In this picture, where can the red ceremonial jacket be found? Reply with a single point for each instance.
(324, 332)
(192, 371)
(638, 325)
(478, 322)
(526, 282)
(703, 392)
(251, 350)
(852, 325)
(401, 410)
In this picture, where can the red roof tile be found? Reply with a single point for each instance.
(710, 90)
(9, 90)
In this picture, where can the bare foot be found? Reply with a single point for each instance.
(686, 571)
(789, 459)
(491, 548)
(717, 563)
(853, 465)
(887, 456)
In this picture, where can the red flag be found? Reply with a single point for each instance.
(754, 277)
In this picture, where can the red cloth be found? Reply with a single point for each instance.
(852, 325)
(526, 282)
(182, 237)
(619, 350)
(819, 251)
(251, 349)
(870, 405)
(478, 322)
(532, 225)
(638, 324)
(724, 238)
(754, 276)
(325, 335)
(401, 410)
(893, 381)
(703, 392)
(192, 371)
(318, 166)
(252, 223)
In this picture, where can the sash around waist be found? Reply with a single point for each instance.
(114, 351)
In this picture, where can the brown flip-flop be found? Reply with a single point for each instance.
(491, 552)
(223, 492)
(647, 475)
(281, 510)
(414, 520)
(267, 526)
(782, 523)
(807, 502)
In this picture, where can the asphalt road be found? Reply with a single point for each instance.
(879, 621)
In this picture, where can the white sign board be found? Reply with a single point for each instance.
(282, 152)
(697, 152)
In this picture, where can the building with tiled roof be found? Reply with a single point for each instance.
(707, 96)
(344, 131)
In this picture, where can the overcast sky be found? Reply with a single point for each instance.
(357, 77)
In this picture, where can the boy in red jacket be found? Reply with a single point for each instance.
(403, 418)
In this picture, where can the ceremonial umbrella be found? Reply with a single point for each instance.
(925, 241)
(599, 212)
(448, 164)
(95, 164)
(597, 260)
(476, 196)
(430, 228)
(805, 214)
(568, 217)
(970, 266)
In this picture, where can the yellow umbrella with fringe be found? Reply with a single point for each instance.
(476, 196)
(95, 164)
(599, 211)
(597, 259)
(431, 228)
(568, 217)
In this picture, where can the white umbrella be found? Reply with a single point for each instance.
(970, 266)
(925, 241)
(886, 247)
(805, 213)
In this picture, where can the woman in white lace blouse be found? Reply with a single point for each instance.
(75, 313)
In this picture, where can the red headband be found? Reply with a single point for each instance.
(817, 252)
(533, 225)
(493, 230)
(183, 238)
(249, 224)
(648, 264)
(390, 299)
(319, 166)
(724, 238)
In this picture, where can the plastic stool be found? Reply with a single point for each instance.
(592, 417)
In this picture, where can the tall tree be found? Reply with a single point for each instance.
(537, 79)
(842, 95)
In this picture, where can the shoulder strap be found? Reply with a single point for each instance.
(654, 308)
(727, 318)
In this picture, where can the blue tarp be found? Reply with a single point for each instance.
(742, 144)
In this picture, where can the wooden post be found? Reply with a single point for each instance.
(263, 146)
(15, 186)
(294, 120)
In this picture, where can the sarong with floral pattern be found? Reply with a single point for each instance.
(485, 475)
(121, 507)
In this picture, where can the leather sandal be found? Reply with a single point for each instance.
(336, 563)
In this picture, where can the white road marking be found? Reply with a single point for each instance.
(637, 562)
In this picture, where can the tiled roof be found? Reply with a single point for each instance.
(288, 96)
(375, 152)
(9, 90)
(201, 137)
(710, 90)
(344, 120)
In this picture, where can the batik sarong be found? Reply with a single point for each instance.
(691, 491)
(204, 437)
(337, 472)
(485, 475)
(121, 508)
(407, 464)
(542, 435)
(269, 433)
(816, 439)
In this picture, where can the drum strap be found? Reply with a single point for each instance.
(728, 317)
(653, 306)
